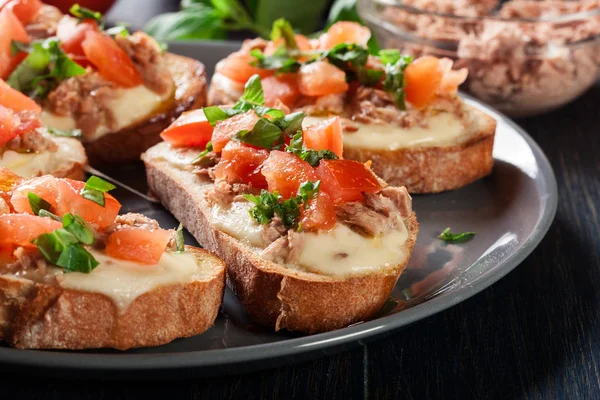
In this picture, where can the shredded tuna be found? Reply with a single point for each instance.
(224, 193)
(86, 99)
(273, 230)
(148, 60)
(277, 251)
(31, 142)
(44, 23)
(30, 264)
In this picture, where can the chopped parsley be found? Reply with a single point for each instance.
(268, 205)
(95, 188)
(462, 237)
(37, 203)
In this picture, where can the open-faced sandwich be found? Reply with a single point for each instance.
(312, 241)
(120, 90)
(74, 274)
(403, 114)
(29, 149)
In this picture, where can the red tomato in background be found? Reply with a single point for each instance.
(346, 180)
(25, 10)
(71, 34)
(96, 5)
(10, 29)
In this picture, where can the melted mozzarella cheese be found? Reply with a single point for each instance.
(444, 129)
(29, 165)
(343, 252)
(128, 107)
(124, 281)
(237, 222)
(338, 252)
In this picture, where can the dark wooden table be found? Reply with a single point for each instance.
(534, 334)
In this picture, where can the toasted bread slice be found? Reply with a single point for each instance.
(126, 145)
(435, 169)
(272, 294)
(43, 316)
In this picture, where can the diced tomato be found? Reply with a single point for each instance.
(345, 32)
(283, 87)
(346, 180)
(423, 78)
(8, 180)
(28, 121)
(70, 200)
(285, 173)
(321, 78)
(237, 67)
(325, 135)
(301, 40)
(242, 164)
(111, 61)
(71, 34)
(138, 244)
(64, 195)
(21, 229)
(15, 100)
(10, 29)
(44, 186)
(319, 214)
(224, 130)
(191, 129)
(9, 123)
(25, 10)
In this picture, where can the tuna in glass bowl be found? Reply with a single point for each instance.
(524, 57)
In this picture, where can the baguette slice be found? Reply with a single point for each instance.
(41, 316)
(273, 295)
(435, 169)
(127, 144)
(423, 169)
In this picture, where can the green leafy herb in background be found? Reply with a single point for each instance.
(215, 19)
(462, 237)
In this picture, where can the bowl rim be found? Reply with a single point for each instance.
(492, 17)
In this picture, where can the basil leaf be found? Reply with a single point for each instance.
(264, 134)
(95, 188)
(75, 133)
(313, 157)
(394, 80)
(48, 214)
(281, 61)
(118, 30)
(462, 237)
(179, 242)
(274, 113)
(389, 56)
(37, 203)
(282, 29)
(204, 153)
(77, 226)
(291, 123)
(198, 22)
(253, 91)
(215, 114)
(77, 259)
(16, 47)
(85, 13)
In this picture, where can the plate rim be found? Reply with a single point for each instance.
(206, 359)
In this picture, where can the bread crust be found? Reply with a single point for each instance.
(435, 169)
(273, 295)
(42, 316)
(127, 144)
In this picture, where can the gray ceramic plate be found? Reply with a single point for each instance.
(511, 210)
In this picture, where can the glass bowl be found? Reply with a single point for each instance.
(524, 57)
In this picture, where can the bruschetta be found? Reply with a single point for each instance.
(402, 114)
(312, 242)
(119, 89)
(76, 275)
(29, 149)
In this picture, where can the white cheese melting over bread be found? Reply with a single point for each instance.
(444, 129)
(237, 222)
(124, 281)
(29, 165)
(129, 106)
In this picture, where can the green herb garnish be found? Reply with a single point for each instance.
(48, 214)
(394, 76)
(43, 69)
(63, 247)
(456, 237)
(37, 203)
(267, 205)
(204, 153)
(313, 157)
(264, 134)
(75, 133)
(179, 242)
(95, 188)
(282, 29)
(83, 13)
